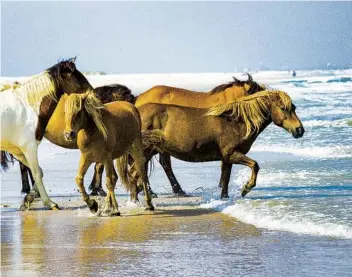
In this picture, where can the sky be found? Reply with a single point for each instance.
(167, 37)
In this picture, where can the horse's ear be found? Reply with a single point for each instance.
(250, 78)
(72, 60)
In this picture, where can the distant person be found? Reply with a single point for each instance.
(294, 74)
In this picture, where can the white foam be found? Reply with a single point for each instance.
(327, 123)
(275, 218)
(319, 152)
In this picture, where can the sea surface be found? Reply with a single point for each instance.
(303, 193)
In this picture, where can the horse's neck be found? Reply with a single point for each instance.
(227, 96)
(47, 109)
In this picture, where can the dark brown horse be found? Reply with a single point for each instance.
(223, 133)
(221, 94)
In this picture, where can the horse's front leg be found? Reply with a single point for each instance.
(239, 158)
(225, 178)
(111, 207)
(165, 161)
(96, 184)
(82, 170)
(31, 157)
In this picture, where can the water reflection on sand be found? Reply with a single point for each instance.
(44, 243)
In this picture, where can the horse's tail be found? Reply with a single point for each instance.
(122, 169)
(153, 140)
(6, 159)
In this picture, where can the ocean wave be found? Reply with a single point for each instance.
(318, 152)
(328, 123)
(274, 215)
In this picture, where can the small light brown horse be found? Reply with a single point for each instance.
(105, 133)
(225, 132)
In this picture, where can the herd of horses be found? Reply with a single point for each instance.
(110, 124)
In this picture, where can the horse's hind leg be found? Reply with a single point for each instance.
(239, 158)
(225, 179)
(96, 184)
(111, 207)
(82, 170)
(31, 156)
(141, 165)
(165, 161)
(24, 177)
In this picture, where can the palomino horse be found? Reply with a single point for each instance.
(55, 129)
(26, 110)
(225, 132)
(221, 94)
(105, 133)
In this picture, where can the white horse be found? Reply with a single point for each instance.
(25, 111)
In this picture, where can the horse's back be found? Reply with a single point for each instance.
(172, 95)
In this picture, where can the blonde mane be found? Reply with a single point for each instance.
(92, 105)
(35, 89)
(252, 109)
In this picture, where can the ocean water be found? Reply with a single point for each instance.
(304, 186)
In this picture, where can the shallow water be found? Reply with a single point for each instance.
(174, 242)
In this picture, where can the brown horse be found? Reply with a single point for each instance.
(224, 133)
(221, 94)
(105, 133)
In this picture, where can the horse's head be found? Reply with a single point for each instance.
(79, 108)
(283, 114)
(67, 78)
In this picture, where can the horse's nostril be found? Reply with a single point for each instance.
(300, 131)
(72, 134)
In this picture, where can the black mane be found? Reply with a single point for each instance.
(64, 66)
(114, 92)
(254, 86)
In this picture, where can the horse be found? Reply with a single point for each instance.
(54, 133)
(117, 92)
(105, 133)
(26, 110)
(223, 133)
(221, 94)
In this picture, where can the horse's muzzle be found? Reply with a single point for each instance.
(298, 132)
(70, 136)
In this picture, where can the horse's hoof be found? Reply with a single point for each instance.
(224, 197)
(244, 192)
(93, 207)
(151, 208)
(55, 208)
(115, 213)
(24, 208)
(105, 213)
(102, 193)
(94, 193)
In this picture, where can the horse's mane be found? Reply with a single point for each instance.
(254, 86)
(92, 105)
(114, 92)
(252, 109)
(35, 89)
(44, 84)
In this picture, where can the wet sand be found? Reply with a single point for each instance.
(174, 240)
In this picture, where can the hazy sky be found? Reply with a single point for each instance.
(143, 37)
